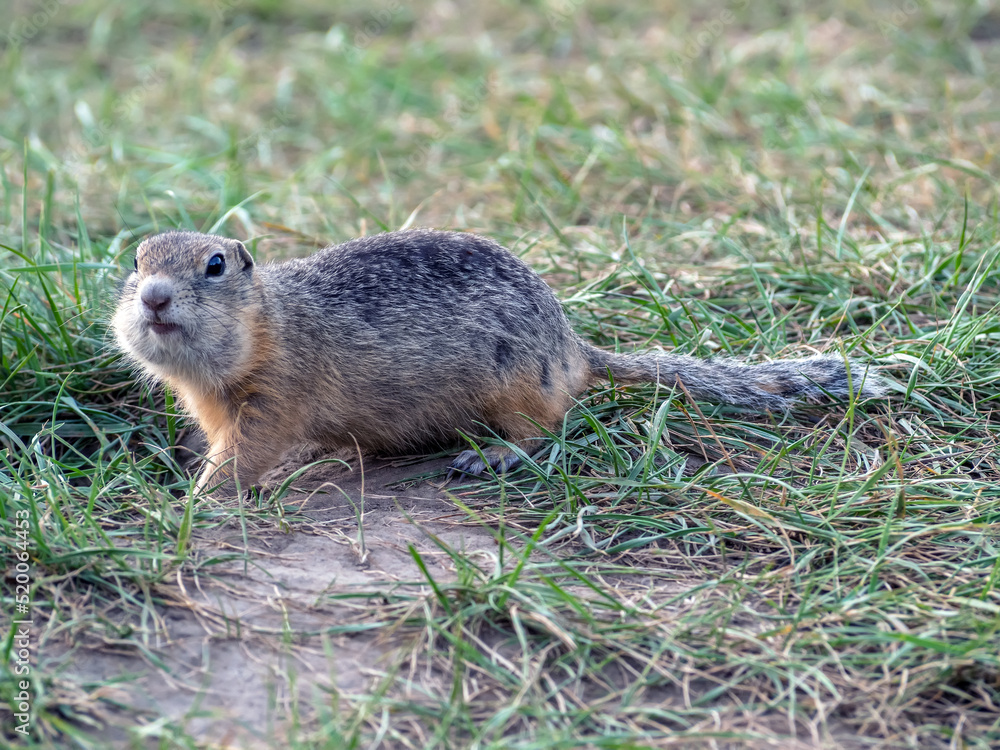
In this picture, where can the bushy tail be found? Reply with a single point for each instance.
(770, 386)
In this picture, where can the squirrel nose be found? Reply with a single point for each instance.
(155, 296)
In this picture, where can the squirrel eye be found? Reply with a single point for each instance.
(216, 265)
(136, 261)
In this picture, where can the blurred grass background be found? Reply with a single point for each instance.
(754, 178)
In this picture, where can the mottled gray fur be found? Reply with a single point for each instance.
(395, 341)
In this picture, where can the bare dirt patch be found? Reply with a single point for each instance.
(245, 645)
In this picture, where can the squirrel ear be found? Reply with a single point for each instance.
(245, 256)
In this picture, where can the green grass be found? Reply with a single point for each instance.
(760, 181)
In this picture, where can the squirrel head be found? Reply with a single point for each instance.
(186, 312)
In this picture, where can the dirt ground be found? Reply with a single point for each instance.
(240, 647)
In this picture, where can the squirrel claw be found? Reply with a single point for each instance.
(470, 462)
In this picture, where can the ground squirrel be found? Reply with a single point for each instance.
(395, 341)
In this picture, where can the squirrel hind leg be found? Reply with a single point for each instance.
(514, 426)
(498, 457)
